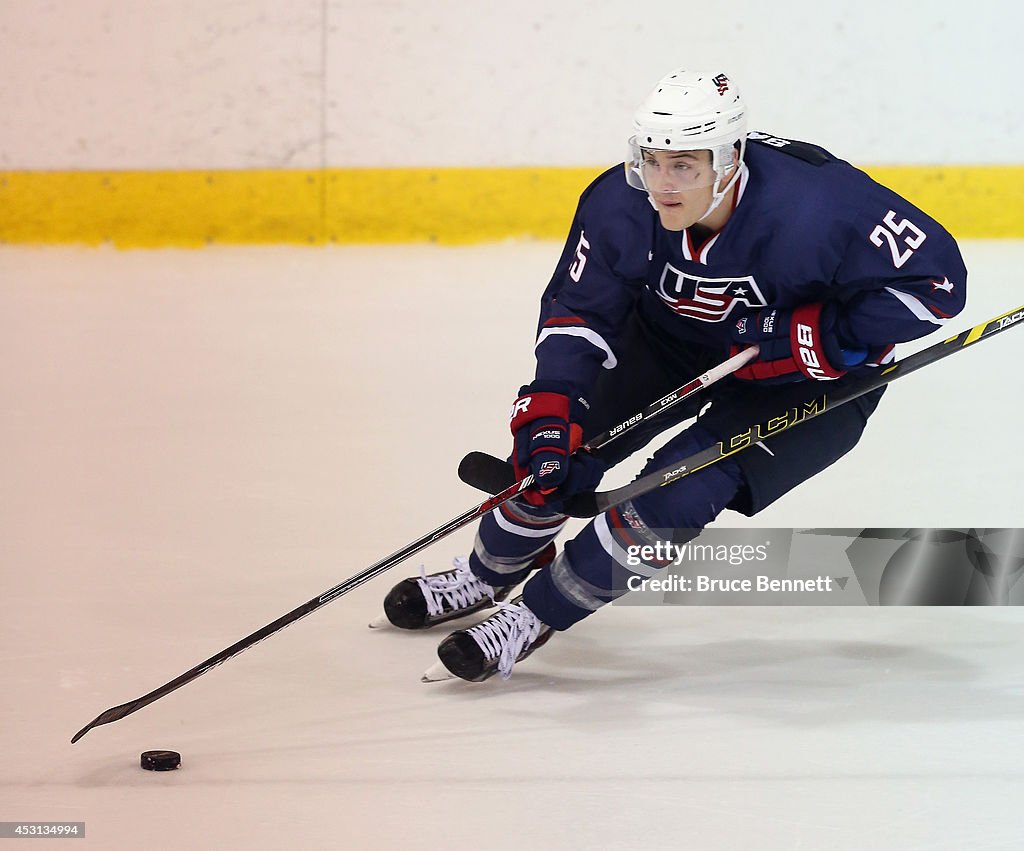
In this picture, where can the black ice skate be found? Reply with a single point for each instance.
(491, 647)
(427, 600)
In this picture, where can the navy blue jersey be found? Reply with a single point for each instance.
(806, 227)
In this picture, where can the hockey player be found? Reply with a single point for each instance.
(707, 241)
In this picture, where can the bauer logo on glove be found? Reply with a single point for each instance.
(546, 429)
(521, 406)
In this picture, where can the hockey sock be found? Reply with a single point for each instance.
(509, 538)
(596, 565)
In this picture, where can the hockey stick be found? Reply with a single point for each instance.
(487, 472)
(116, 713)
(492, 475)
(716, 373)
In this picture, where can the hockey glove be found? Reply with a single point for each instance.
(796, 343)
(546, 430)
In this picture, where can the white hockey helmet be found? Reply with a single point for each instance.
(692, 111)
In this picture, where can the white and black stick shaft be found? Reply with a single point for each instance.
(591, 504)
(117, 712)
(716, 373)
(492, 475)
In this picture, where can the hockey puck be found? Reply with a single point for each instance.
(160, 760)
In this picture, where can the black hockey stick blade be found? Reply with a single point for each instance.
(592, 504)
(486, 473)
(116, 713)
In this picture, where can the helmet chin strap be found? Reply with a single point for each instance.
(718, 195)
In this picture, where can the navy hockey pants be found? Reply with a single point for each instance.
(592, 569)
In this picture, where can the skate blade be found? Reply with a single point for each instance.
(379, 622)
(436, 673)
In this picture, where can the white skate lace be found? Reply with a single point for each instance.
(459, 588)
(505, 635)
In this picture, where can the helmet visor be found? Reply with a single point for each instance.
(663, 172)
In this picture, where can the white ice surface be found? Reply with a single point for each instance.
(194, 443)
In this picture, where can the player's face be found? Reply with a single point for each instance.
(681, 183)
